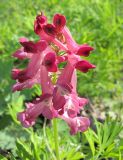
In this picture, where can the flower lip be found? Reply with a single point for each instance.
(59, 21)
(84, 66)
(29, 47)
(32, 47)
(84, 50)
(50, 62)
(20, 75)
(22, 117)
(14, 73)
(72, 113)
(50, 30)
(20, 54)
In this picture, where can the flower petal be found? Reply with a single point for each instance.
(84, 66)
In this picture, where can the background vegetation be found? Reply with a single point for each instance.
(96, 22)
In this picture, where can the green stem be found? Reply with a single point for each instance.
(46, 141)
(56, 138)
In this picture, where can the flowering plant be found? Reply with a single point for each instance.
(59, 98)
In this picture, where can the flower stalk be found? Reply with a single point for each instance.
(56, 141)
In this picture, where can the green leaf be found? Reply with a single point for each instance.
(23, 150)
(2, 157)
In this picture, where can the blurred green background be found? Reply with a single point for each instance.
(96, 22)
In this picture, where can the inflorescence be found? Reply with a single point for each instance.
(59, 98)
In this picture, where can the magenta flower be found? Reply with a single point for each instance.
(84, 50)
(59, 22)
(50, 30)
(50, 62)
(31, 47)
(59, 98)
(41, 106)
(77, 124)
(84, 66)
(39, 22)
(21, 54)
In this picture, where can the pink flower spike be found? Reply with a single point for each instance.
(50, 30)
(84, 50)
(50, 62)
(84, 66)
(59, 21)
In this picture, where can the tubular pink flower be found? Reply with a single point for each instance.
(72, 106)
(50, 30)
(65, 97)
(31, 47)
(77, 124)
(84, 66)
(84, 50)
(15, 73)
(59, 22)
(41, 106)
(20, 75)
(39, 22)
(50, 62)
(58, 100)
(63, 79)
(29, 76)
(63, 87)
(71, 44)
(20, 54)
(26, 84)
